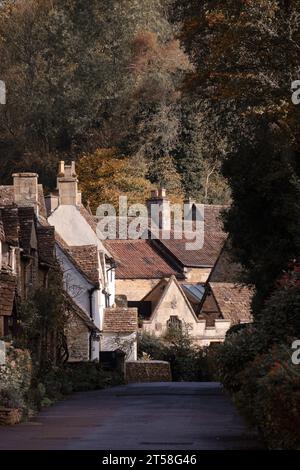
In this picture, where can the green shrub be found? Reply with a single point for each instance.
(280, 318)
(15, 379)
(187, 361)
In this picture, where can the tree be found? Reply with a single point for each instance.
(263, 220)
(70, 73)
(163, 174)
(238, 49)
(104, 176)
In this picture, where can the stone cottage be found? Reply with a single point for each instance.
(170, 307)
(88, 267)
(28, 248)
(225, 296)
(141, 264)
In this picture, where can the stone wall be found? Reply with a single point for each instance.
(77, 335)
(135, 289)
(148, 371)
(173, 303)
(197, 274)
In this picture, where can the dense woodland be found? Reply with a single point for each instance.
(193, 95)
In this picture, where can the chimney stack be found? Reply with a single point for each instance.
(67, 185)
(51, 203)
(159, 209)
(26, 189)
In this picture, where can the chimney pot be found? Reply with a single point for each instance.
(162, 192)
(61, 168)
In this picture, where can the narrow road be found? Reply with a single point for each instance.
(164, 416)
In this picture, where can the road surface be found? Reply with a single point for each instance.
(164, 416)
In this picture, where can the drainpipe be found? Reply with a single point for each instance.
(91, 293)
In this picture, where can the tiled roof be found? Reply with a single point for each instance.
(46, 244)
(10, 220)
(6, 195)
(234, 301)
(86, 259)
(7, 293)
(27, 222)
(120, 320)
(214, 238)
(138, 259)
(225, 270)
(203, 257)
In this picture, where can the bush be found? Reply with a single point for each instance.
(15, 379)
(270, 397)
(187, 361)
(255, 366)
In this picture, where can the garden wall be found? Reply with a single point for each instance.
(148, 371)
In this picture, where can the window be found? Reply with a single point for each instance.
(174, 322)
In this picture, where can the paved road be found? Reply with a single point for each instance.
(165, 416)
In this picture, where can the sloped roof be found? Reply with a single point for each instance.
(27, 223)
(225, 270)
(86, 259)
(10, 220)
(203, 257)
(164, 285)
(8, 285)
(120, 320)
(138, 259)
(234, 301)
(46, 244)
(214, 238)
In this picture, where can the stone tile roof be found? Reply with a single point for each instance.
(214, 238)
(27, 223)
(203, 257)
(232, 298)
(138, 259)
(86, 259)
(6, 195)
(225, 270)
(120, 320)
(8, 285)
(234, 301)
(10, 220)
(46, 245)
